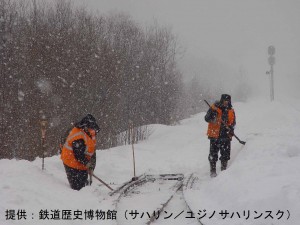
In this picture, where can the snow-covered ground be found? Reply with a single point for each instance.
(261, 182)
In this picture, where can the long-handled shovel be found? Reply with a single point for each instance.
(241, 142)
(90, 176)
(101, 180)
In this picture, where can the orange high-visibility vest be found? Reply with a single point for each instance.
(67, 154)
(213, 130)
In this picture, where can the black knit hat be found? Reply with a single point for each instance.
(90, 122)
(225, 97)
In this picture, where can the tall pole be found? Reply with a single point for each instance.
(132, 143)
(43, 123)
(43, 150)
(272, 83)
(271, 59)
(131, 128)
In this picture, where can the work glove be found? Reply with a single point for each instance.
(90, 166)
(230, 131)
(214, 115)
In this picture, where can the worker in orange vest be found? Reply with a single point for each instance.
(78, 152)
(221, 122)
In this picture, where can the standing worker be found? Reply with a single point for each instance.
(221, 122)
(78, 152)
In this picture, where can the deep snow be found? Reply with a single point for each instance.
(262, 176)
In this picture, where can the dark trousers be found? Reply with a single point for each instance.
(222, 145)
(77, 178)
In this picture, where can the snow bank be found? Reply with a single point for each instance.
(262, 176)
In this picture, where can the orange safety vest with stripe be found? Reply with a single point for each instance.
(67, 154)
(213, 130)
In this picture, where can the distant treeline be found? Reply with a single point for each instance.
(61, 62)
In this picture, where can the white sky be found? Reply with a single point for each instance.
(237, 33)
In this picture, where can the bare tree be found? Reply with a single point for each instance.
(62, 62)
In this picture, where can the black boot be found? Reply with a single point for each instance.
(223, 165)
(213, 172)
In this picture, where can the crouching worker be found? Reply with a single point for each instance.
(78, 153)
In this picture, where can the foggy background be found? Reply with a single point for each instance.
(136, 62)
(226, 40)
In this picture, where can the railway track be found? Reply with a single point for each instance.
(154, 199)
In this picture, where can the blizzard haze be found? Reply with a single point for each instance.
(231, 35)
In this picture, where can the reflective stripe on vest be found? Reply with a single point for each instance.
(213, 130)
(67, 146)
